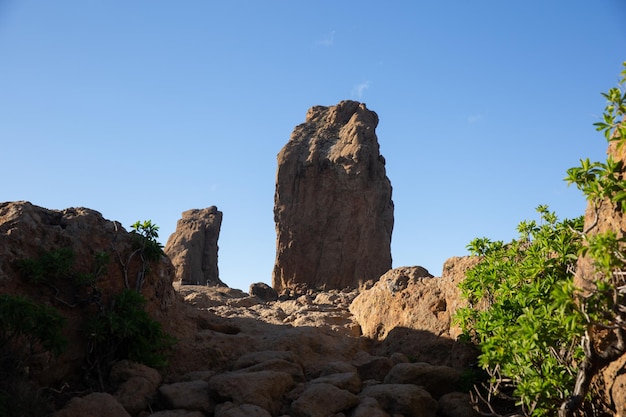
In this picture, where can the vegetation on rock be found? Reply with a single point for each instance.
(534, 328)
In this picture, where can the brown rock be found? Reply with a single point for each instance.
(322, 400)
(437, 380)
(405, 399)
(333, 207)
(97, 404)
(369, 407)
(263, 388)
(603, 217)
(456, 404)
(191, 395)
(263, 291)
(229, 409)
(193, 247)
(411, 312)
(28, 231)
(138, 385)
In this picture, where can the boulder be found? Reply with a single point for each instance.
(263, 291)
(322, 400)
(369, 407)
(229, 409)
(264, 389)
(193, 247)
(437, 380)
(28, 232)
(138, 385)
(601, 217)
(190, 395)
(409, 311)
(456, 404)
(97, 404)
(332, 206)
(405, 399)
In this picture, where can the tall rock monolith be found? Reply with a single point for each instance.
(332, 205)
(193, 247)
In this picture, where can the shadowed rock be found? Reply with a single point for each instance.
(193, 247)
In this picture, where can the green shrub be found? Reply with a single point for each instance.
(126, 331)
(26, 328)
(522, 312)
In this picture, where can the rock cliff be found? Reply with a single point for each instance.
(333, 209)
(28, 232)
(193, 247)
(603, 217)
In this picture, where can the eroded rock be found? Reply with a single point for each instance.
(333, 207)
(193, 247)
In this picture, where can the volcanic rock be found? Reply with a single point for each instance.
(193, 247)
(28, 232)
(410, 312)
(332, 206)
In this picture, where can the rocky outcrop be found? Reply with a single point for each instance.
(333, 209)
(293, 357)
(410, 306)
(603, 217)
(193, 247)
(28, 232)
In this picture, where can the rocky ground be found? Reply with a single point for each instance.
(300, 356)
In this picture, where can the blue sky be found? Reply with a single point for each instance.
(144, 109)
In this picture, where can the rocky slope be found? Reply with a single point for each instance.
(299, 357)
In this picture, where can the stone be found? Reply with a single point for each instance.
(177, 413)
(409, 311)
(229, 409)
(27, 231)
(372, 367)
(193, 247)
(138, 385)
(405, 399)
(190, 395)
(262, 388)
(350, 381)
(369, 407)
(97, 404)
(456, 404)
(332, 206)
(437, 380)
(263, 291)
(322, 400)
(601, 217)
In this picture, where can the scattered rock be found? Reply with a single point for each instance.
(333, 207)
(138, 385)
(406, 399)
(315, 401)
(264, 389)
(263, 291)
(193, 247)
(437, 380)
(97, 404)
(190, 395)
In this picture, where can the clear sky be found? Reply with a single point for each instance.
(144, 109)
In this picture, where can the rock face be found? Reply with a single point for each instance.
(332, 206)
(607, 216)
(28, 231)
(193, 247)
(410, 306)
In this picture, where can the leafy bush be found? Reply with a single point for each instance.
(522, 312)
(26, 328)
(126, 331)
